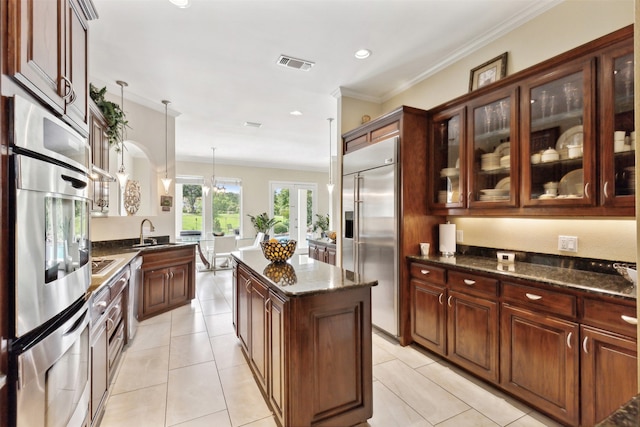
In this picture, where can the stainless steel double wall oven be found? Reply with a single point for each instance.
(52, 273)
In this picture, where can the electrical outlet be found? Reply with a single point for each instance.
(568, 243)
(459, 236)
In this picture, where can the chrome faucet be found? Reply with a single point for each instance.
(141, 227)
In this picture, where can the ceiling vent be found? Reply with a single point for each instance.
(298, 64)
(252, 124)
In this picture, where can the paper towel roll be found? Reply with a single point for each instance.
(448, 239)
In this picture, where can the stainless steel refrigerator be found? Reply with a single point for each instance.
(370, 225)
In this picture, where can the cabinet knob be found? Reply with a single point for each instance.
(533, 297)
(584, 345)
(469, 282)
(630, 320)
(425, 271)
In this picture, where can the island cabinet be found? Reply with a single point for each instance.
(557, 138)
(308, 348)
(168, 280)
(322, 251)
(568, 351)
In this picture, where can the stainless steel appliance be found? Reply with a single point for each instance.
(53, 372)
(49, 172)
(370, 225)
(49, 216)
(135, 282)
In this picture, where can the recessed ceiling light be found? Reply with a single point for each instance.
(296, 113)
(363, 53)
(182, 4)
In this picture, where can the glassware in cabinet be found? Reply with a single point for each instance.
(448, 135)
(617, 135)
(558, 137)
(493, 151)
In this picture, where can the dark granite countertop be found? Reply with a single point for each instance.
(301, 275)
(626, 416)
(601, 283)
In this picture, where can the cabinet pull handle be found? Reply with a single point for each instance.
(533, 297)
(606, 187)
(425, 271)
(266, 303)
(69, 88)
(584, 345)
(569, 339)
(112, 324)
(630, 320)
(247, 284)
(468, 197)
(449, 300)
(101, 305)
(440, 298)
(171, 274)
(469, 282)
(586, 189)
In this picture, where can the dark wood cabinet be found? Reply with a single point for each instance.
(429, 315)
(322, 251)
(168, 280)
(310, 354)
(99, 142)
(540, 361)
(49, 41)
(569, 106)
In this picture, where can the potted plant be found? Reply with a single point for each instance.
(262, 223)
(113, 114)
(321, 223)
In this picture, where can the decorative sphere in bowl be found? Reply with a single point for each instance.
(281, 273)
(276, 251)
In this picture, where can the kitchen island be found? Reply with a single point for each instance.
(305, 329)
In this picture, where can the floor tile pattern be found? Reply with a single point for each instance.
(185, 368)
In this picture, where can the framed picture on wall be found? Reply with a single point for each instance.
(489, 72)
(166, 202)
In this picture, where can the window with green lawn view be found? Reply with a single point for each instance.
(293, 204)
(199, 211)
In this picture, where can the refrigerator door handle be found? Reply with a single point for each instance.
(356, 222)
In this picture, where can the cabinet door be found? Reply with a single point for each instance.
(178, 285)
(99, 368)
(39, 47)
(76, 63)
(617, 130)
(539, 361)
(278, 315)
(472, 334)
(609, 366)
(331, 256)
(155, 288)
(448, 159)
(492, 159)
(258, 349)
(429, 315)
(243, 327)
(558, 137)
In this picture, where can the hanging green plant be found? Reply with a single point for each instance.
(113, 114)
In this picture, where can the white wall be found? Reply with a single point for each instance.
(568, 25)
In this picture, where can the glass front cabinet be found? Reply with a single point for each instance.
(448, 134)
(558, 137)
(493, 151)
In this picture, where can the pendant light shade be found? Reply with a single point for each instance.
(166, 181)
(330, 184)
(214, 186)
(122, 174)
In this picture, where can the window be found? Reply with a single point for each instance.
(226, 207)
(219, 211)
(294, 205)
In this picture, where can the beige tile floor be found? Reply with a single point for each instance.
(185, 368)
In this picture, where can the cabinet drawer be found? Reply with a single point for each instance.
(555, 302)
(115, 347)
(115, 314)
(610, 316)
(472, 284)
(429, 273)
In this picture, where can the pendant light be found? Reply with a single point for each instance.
(214, 186)
(122, 174)
(166, 181)
(330, 184)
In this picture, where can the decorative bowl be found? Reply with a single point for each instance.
(276, 251)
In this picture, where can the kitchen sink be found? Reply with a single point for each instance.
(153, 245)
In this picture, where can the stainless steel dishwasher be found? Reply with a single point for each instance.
(134, 285)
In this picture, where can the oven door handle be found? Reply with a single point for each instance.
(75, 183)
(76, 324)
